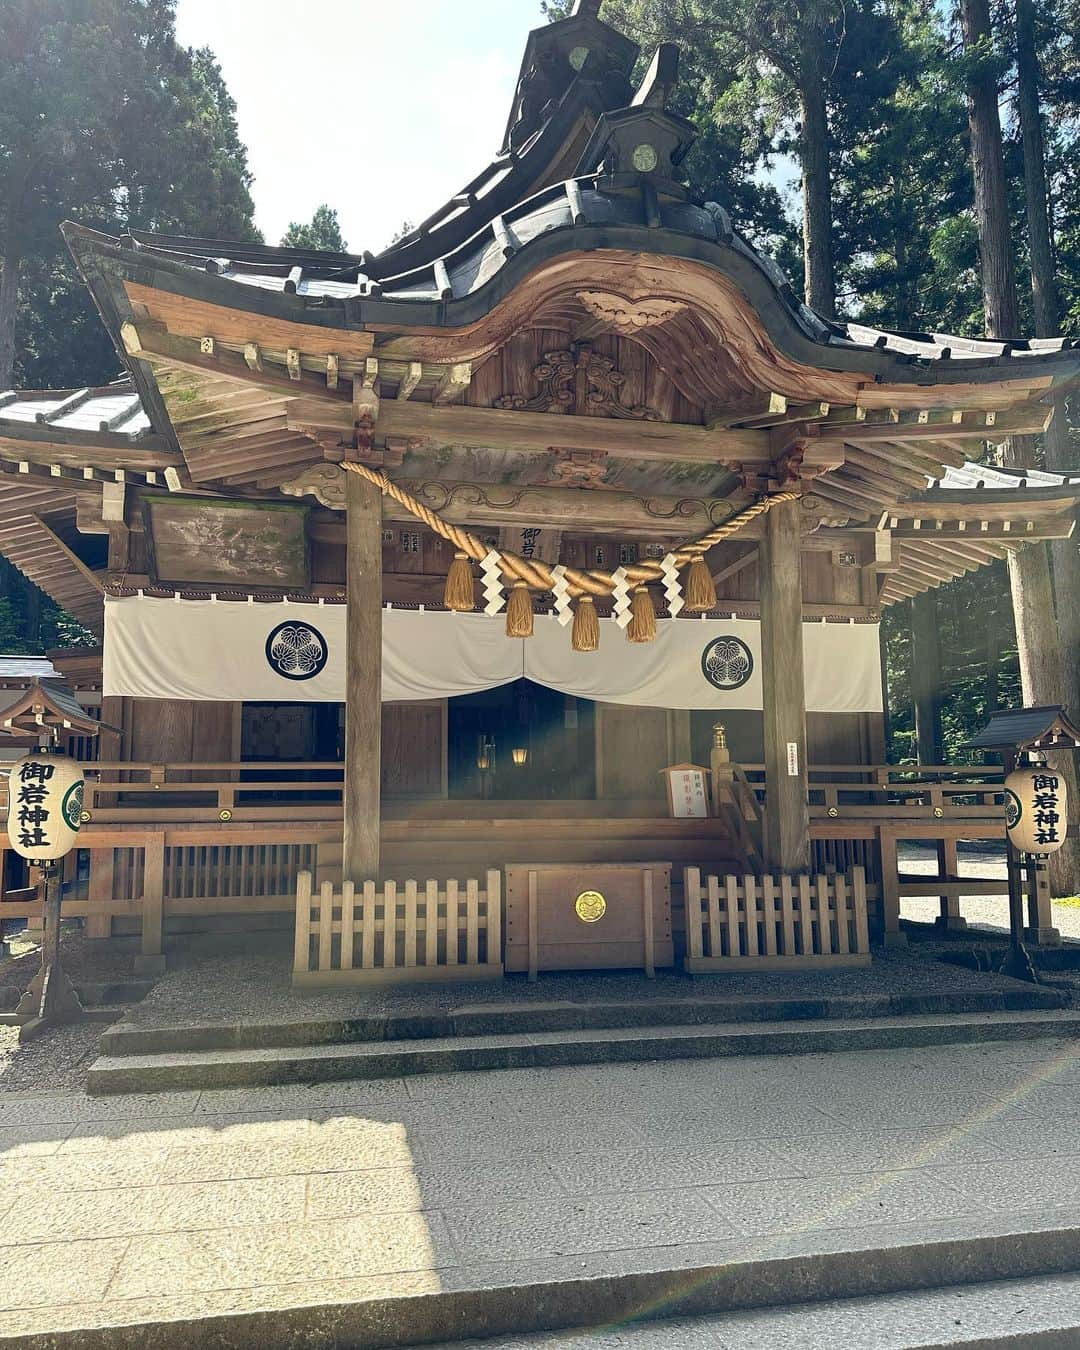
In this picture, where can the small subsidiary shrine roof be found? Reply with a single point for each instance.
(1046, 728)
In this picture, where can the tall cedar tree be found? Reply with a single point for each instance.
(1041, 665)
(104, 119)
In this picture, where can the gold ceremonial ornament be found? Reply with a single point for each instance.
(225, 814)
(590, 906)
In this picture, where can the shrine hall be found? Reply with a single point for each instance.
(509, 600)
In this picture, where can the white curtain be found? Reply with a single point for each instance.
(288, 652)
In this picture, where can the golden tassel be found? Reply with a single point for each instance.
(460, 594)
(642, 625)
(586, 634)
(519, 611)
(700, 588)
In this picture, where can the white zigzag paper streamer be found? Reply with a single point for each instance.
(621, 596)
(491, 575)
(672, 585)
(561, 592)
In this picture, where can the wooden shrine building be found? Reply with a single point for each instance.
(577, 402)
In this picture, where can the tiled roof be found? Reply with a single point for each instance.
(115, 408)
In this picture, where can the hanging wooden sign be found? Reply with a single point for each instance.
(687, 791)
(1036, 809)
(45, 802)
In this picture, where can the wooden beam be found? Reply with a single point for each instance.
(787, 817)
(414, 373)
(363, 680)
(453, 382)
(538, 432)
(1030, 419)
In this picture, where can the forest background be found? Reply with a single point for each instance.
(870, 107)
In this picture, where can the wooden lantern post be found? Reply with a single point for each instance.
(363, 657)
(787, 817)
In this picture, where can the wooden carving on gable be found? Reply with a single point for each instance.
(580, 381)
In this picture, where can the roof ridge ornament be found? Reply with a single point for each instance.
(640, 147)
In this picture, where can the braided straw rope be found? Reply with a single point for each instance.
(538, 574)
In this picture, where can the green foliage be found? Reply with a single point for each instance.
(104, 119)
(321, 232)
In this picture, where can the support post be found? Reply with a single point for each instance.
(926, 677)
(363, 679)
(787, 818)
(50, 998)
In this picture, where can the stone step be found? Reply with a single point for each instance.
(495, 1019)
(848, 1294)
(1043, 1313)
(194, 1069)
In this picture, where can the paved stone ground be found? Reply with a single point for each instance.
(191, 1203)
(976, 860)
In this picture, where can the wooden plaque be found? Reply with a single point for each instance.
(216, 541)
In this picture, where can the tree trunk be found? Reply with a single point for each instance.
(1043, 282)
(1060, 454)
(9, 297)
(988, 170)
(816, 179)
(1041, 665)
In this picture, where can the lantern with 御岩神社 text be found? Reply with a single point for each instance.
(1036, 809)
(45, 802)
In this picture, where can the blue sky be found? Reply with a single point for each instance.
(382, 110)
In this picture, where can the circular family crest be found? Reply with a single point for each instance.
(1014, 809)
(727, 662)
(590, 906)
(71, 808)
(296, 651)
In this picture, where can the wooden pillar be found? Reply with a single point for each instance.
(926, 677)
(787, 819)
(363, 679)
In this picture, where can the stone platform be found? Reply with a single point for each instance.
(237, 1022)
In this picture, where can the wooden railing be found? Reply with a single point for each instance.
(775, 923)
(379, 934)
(226, 836)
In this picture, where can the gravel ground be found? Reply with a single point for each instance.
(257, 988)
(55, 1062)
(86, 961)
(989, 910)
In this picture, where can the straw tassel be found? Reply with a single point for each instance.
(700, 587)
(460, 593)
(642, 626)
(586, 633)
(519, 611)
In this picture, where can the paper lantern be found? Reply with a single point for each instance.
(45, 802)
(1036, 809)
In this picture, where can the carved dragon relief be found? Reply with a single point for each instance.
(579, 381)
(326, 483)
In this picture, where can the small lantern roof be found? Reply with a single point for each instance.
(45, 705)
(1046, 728)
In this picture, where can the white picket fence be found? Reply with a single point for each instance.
(358, 934)
(775, 923)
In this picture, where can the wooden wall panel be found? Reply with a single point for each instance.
(414, 749)
(632, 746)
